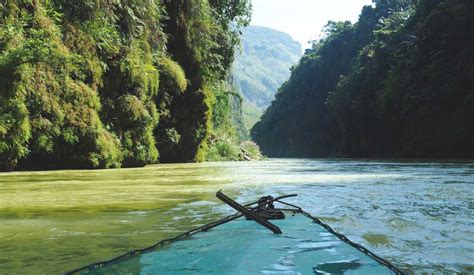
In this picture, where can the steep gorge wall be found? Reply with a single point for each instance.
(398, 83)
(100, 84)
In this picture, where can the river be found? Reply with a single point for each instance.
(418, 214)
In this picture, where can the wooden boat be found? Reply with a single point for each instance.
(242, 244)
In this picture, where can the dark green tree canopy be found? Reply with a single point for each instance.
(398, 83)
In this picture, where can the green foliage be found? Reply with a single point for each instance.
(250, 115)
(91, 84)
(403, 92)
(251, 151)
(56, 112)
(222, 100)
(223, 150)
(173, 76)
(294, 124)
(415, 87)
(173, 83)
(227, 127)
(202, 41)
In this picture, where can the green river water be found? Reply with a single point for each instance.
(418, 214)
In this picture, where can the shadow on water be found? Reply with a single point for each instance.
(337, 268)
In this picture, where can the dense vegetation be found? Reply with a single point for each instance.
(261, 66)
(398, 83)
(98, 84)
(251, 114)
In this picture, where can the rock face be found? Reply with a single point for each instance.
(262, 66)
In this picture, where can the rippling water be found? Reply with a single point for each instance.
(420, 215)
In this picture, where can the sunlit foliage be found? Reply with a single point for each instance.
(99, 84)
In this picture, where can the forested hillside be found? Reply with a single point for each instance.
(99, 84)
(398, 83)
(261, 66)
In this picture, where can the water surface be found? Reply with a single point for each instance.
(420, 215)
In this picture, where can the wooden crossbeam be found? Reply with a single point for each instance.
(248, 213)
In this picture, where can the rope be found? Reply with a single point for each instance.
(359, 247)
(208, 226)
(168, 241)
(343, 238)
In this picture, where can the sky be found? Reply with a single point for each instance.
(304, 19)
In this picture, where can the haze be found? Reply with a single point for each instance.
(304, 19)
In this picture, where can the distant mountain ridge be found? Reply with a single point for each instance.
(262, 66)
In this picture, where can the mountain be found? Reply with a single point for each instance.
(262, 66)
(398, 83)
